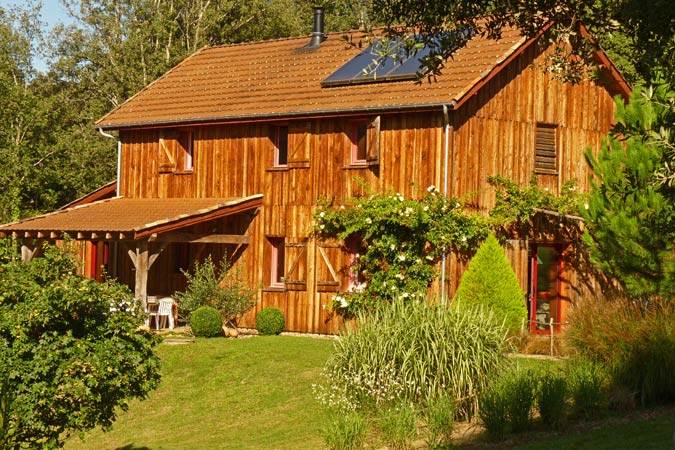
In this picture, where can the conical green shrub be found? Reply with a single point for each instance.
(491, 282)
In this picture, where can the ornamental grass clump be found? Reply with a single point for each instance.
(418, 352)
(552, 399)
(491, 282)
(440, 418)
(398, 425)
(345, 431)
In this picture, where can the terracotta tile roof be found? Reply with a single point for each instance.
(274, 79)
(133, 217)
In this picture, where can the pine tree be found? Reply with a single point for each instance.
(491, 282)
(630, 214)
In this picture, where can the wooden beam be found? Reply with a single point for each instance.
(193, 238)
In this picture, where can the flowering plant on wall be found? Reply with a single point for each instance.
(399, 241)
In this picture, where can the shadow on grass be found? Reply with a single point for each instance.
(132, 447)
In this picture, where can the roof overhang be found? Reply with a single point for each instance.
(130, 219)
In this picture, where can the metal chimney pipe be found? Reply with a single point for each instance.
(317, 35)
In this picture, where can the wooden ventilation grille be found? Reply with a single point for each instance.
(545, 151)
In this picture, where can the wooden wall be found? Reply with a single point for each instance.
(491, 134)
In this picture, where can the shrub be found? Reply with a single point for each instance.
(345, 431)
(634, 340)
(418, 352)
(270, 321)
(219, 287)
(440, 417)
(490, 281)
(206, 322)
(493, 412)
(587, 380)
(552, 399)
(398, 424)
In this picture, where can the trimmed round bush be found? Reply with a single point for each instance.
(270, 320)
(206, 322)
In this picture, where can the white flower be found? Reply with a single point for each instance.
(400, 276)
(342, 206)
(322, 226)
(369, 220)
(322, 214)
(426, 208)
(430, 258)
(463, 238)
(431, 188)
(401, 257)
(405, 295)
(392, 247)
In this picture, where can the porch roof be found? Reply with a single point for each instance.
(122, 218)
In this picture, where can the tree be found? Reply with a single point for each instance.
(72, 351)
(630, 214)
(645, 28)
(491, 282)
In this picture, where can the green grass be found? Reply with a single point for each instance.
(226, 394)
(221, 394)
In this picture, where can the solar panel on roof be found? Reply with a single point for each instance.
(383, 60)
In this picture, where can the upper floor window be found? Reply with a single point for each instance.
(185, 147)
(545, 154)
(359, 142)
(281, 146)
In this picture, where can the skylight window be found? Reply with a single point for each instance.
(384, 60)
(396, 58)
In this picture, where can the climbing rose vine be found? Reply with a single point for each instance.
(399, 241)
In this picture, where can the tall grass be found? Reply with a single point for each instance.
(634, 339)
(418, 352)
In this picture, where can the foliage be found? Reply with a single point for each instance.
(552, 399)
(222, 288)
(508, 404)
(270, 321)
(632, 340)
(493, 412)
(417, 352)
(71, 348)
(587, 381)
(345, 431)
(400, 241)
(206, 321)
(640, 32)
(440, 418)
(490, 281)
(630, 197)
(398, 425)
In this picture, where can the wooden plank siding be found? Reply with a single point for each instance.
(493, 133)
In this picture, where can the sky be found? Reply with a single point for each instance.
(53, 13)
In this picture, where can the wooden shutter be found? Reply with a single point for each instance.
(295, 278)
(373, 142)
(327, 258)
(545, 158)
(167, 151)
(299, 134)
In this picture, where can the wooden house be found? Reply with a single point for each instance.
(228, 152)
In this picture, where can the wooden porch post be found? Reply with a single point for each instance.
(28, 252)
(143, 259)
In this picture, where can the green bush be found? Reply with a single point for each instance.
(417, 352)
(270, 320)
(398, 425)
(440, 418)
(490, 281)
(219, 287)
(587, 380)
(206, 322)
(552, 399)
(634, 340)
(493, 411)
(345, 431)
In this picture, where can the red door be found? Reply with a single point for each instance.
(545, 288)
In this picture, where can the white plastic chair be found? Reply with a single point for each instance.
(164, 311)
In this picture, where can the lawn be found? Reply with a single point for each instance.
(256, 393)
